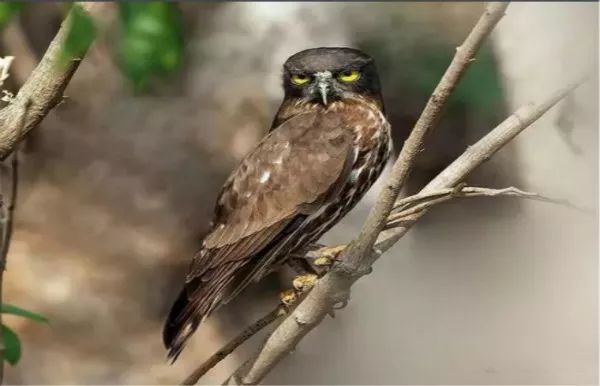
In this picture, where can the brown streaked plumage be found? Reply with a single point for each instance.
(328, 144)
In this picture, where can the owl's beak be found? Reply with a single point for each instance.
(323, 84)
(323, 90)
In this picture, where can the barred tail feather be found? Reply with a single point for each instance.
(179, 326)
(196, 301)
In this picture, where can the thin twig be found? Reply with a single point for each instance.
(335, 286)
(8, 211)
(228, 348)
(414, 204)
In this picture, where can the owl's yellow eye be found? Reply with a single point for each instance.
(349, 76)
(300, 79)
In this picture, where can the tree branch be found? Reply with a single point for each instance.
(419, 202)
(334, 287)
(356, 259)
(44, 88)
(463, 57)
(228, 348)
(7, 210)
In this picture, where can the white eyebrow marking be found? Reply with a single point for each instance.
(265, 177)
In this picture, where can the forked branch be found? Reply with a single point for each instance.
(335, 286)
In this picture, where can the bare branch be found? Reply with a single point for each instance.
(8, 210)
(417, 203)
(335, 286)
(44, 88)
(429, 117)
(480, 152)
(228, 348)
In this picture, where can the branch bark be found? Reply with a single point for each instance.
(228, 348)
(44, 88)
(463, 57)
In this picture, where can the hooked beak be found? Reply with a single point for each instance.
(323, 84)
(323, 90)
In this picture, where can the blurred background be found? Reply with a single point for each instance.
(118, 185)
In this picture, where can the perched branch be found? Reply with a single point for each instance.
(335, 286)
(44, 88)
(429, 117)
(480, 152)
(228, 348)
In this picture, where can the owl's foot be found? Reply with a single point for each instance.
(304, 283)
(288, 297)
(326, 256)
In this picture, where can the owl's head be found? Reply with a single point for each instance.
(325, 74)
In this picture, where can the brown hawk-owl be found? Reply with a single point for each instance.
(327, 145)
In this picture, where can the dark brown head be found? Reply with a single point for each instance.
(326, 74)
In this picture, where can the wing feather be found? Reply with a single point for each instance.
(286, 178)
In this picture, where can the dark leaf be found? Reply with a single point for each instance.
(14, 310)
(12, 345)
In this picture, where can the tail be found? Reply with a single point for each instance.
(196, 301)
(179, 326)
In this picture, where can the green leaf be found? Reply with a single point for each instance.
(8, 9)
(14, 310)
(12, 345)
(80, 34)
(151, 41)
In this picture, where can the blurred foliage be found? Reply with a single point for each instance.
(80, 35)
(150, 44)
(7, 10)
(480, 87)
(151, 40)
(12, 345)
(418, 69)
(11, 341)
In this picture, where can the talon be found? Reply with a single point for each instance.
(288, 297)
(304, 283)
(322, 261)
(327, 255)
